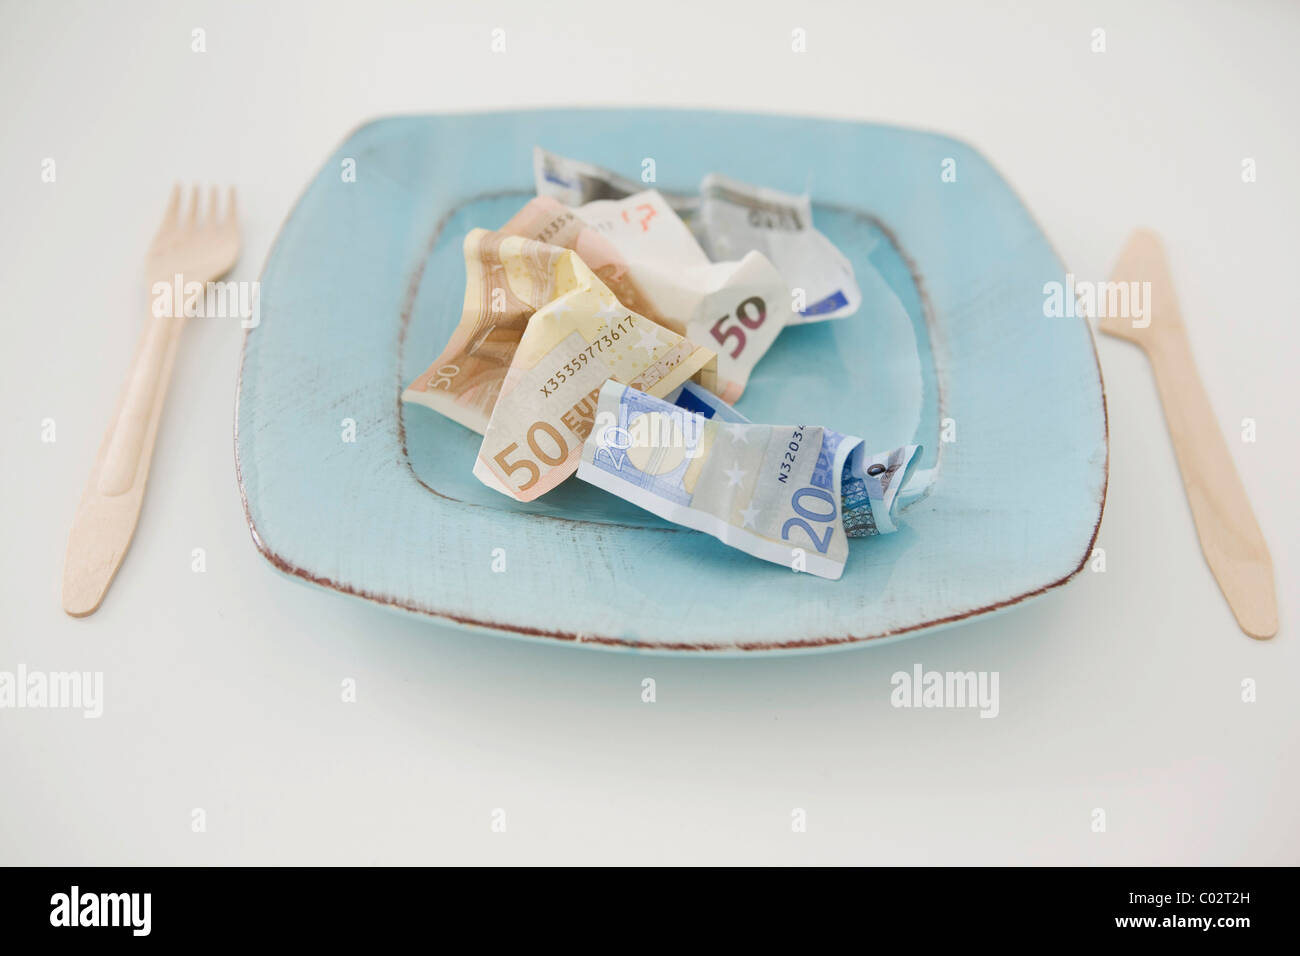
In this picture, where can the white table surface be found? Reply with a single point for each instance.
(1121, 691)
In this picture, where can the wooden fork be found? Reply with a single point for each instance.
(1230, 537)
(197, 251)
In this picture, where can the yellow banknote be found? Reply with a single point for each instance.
(540, 333)
(550, 221)
(572, 345)
(501, 295)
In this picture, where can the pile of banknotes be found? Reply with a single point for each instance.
(608, 328)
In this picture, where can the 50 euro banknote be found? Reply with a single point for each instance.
(648, 258)
(773, 491)
(738, 307)
(730, 219)
(550, 221)
(539, 335)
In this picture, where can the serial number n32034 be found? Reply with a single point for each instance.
(790, 456)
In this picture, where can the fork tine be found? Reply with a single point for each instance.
(214, 194)
(173, 206)
(232, 208)
(193, 217)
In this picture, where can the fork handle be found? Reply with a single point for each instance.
(110, 506)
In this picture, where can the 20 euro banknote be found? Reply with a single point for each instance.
(868, 500)
(773, 491)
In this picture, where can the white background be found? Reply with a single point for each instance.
(1121, 691)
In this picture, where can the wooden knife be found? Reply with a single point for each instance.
(1230, 537)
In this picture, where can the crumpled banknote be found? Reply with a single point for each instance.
(575, 183)
(730, 218)
(735, 217)
(647, 257)
(773, 491)
(548, 220)
(868, 500)
(539, 335)
(736, 308)
(598, 335)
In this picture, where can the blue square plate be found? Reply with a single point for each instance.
(951, 349)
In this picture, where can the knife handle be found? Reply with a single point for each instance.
(1230, 537)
